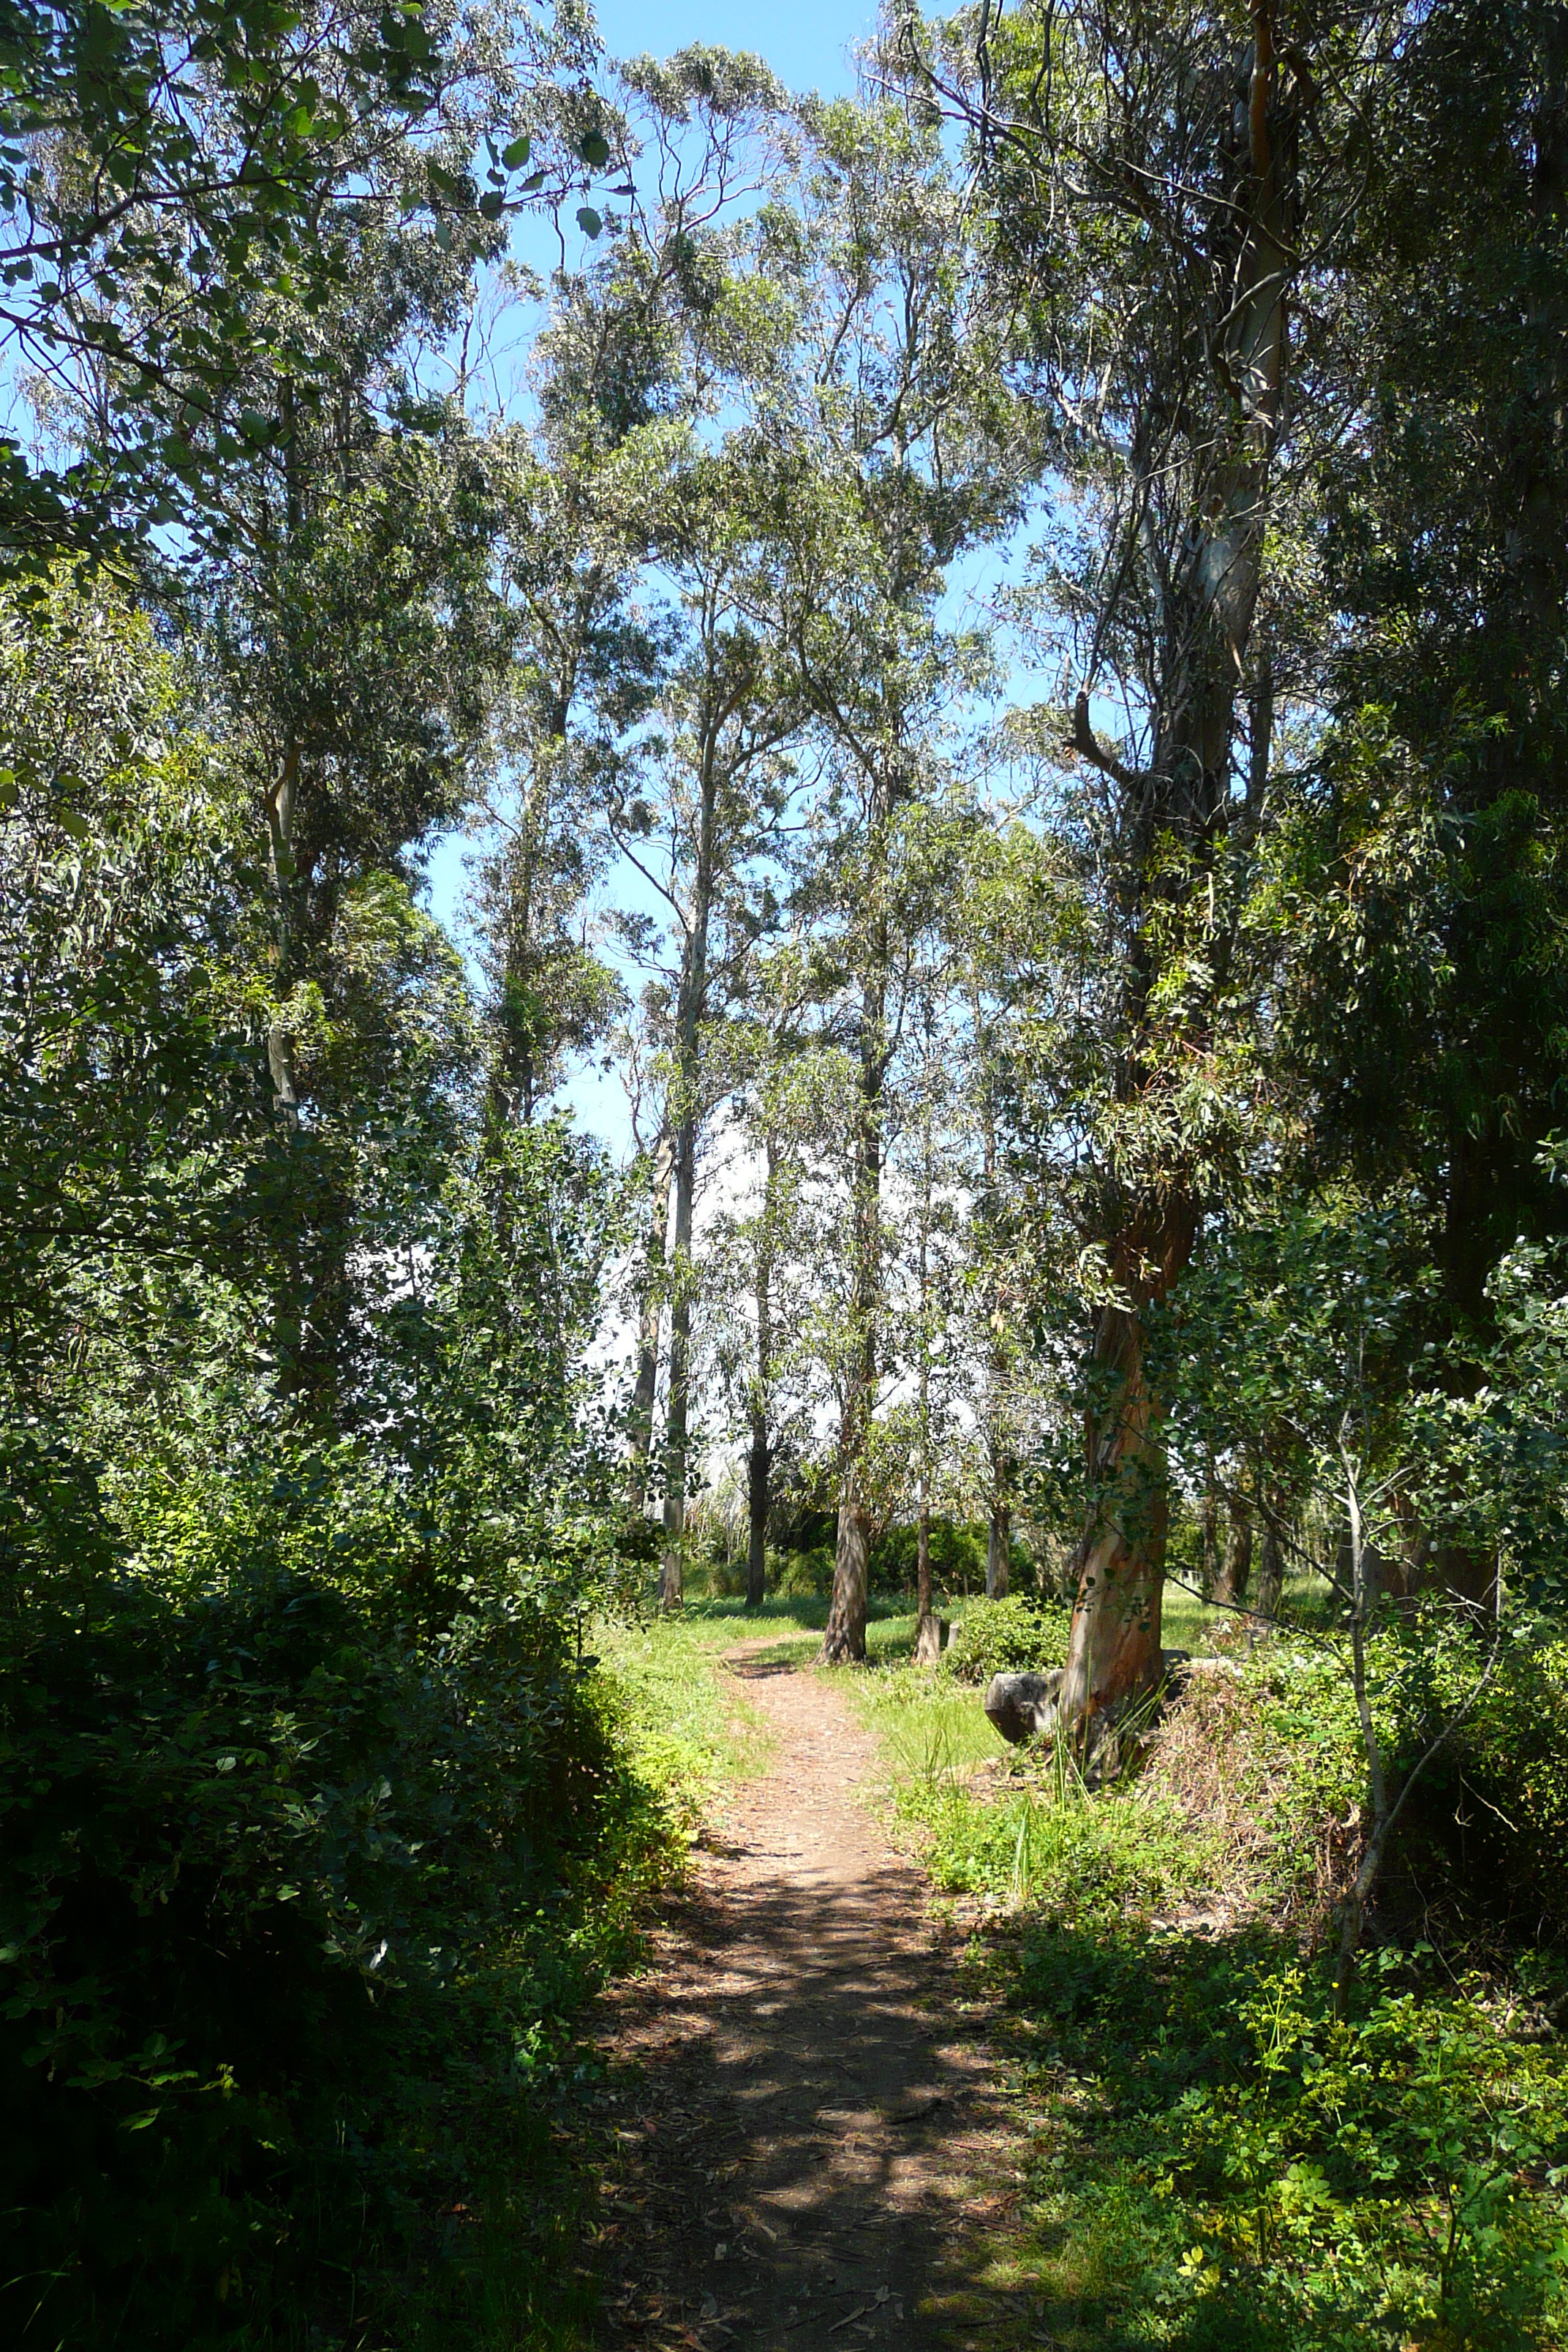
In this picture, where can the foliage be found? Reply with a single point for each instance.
(1141, 1107)
(178, 201)
(315, 1826)
(1217, 2159)
(1390, 2172)
(1239, 2168)
(302, 1861)
(957, 1556)
(994, 1637)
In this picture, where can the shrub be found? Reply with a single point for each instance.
(800, 1575)
(294, 1884)
(1014, 1635)
(1383, 2174)
(957, 1556)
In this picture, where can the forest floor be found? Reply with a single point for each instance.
(812, 2142)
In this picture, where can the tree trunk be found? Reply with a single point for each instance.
(1271, 1565)
(927, 1624)
(844, 1640)
(650, 1318)
(758, 1465)
(1208, 1527)
(1113, 1653)
(1206, 601)
(999, 1552)
(280, 858)
(928, 1632)
(1236, 1570)
(689, 1087)
(677, 1408)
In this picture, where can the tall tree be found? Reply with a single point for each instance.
(698, 831)
(1421, 854)
(1154, 219)
(900, 449)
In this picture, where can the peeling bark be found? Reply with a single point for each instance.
(1114, 1658)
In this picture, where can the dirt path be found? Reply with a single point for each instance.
(811, 2104)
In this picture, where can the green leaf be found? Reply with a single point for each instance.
(594, 150)
(516, 155)
(588, 220)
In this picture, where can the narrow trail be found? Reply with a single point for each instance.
(806, 2136)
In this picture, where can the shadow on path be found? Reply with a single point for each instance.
(811, 2118)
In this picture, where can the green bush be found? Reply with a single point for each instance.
(1014, 1635)
(1490, 1827)
(800, 1575)
(1486, 1828)
(1257, 2176)
(957, 1556)
(1395, 2176)
(296, 1884)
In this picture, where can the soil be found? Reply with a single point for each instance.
(811, 2139)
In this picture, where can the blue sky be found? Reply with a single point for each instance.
(806, 43)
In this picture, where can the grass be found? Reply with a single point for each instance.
(1214, 2162)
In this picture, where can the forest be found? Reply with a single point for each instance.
(784, 1179)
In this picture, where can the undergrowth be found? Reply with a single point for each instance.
(305, 1882)
(1216, 2163)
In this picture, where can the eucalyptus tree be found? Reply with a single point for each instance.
(700, 830)
(345, 615)
(172, 187)
(352, 637)
(761, 1271)
(620, 365)
(899, 448)
(582, 663)
(643, 1042)
(614, 570)
(1171, 190)
(931, 1174)
(698, 818)
(997, 1257)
